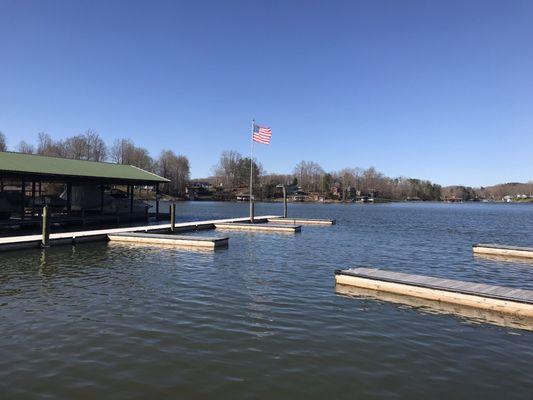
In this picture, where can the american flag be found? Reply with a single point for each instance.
(261, 134)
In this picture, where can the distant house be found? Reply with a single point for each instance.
(453, 199)
(299, 195)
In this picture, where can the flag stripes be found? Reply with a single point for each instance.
(261, 134)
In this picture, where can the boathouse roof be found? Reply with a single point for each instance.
(44, 167)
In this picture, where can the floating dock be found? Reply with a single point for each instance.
(302, 221)
(501, 250)
(170, 240)
(438, 307)
(259, 227)
(518, 302)
(64, 238)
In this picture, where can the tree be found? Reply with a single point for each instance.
(96, 149)
(309, 175)
(226, 169)
(3, 144)
(26, 148)
(177, 169)
(48, 147)
(125, 152)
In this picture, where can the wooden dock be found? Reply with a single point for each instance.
(518, 302)
(501, 250)
(34, 241)
(302, 221)
(438, 307)
(170, 240)
(257, 227)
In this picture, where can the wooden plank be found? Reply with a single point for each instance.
(502, 250)
(174, 240)
(259, 227)
(302, 221)
(497, 298)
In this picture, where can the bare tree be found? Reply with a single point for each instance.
(96, 149)
(26, 148)
(75, 147)
(177, 169)
(309, 175)
(227, 168)
(48, 147)
(3, 144)
(125, 152)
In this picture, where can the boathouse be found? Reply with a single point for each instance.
(74, 190)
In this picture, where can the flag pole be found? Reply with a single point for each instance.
(252, 174)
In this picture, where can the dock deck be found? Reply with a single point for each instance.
(496, 298)
(259, 227)
(172, 240)
(502, 250)
(34, 241)
(302, 221)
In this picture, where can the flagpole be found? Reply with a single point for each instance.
(252, 175)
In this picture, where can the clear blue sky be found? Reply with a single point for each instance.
(435, 90)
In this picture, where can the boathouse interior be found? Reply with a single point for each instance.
(75, 191)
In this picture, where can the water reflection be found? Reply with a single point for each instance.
(437, 307)
(156, 247)
(498, 258)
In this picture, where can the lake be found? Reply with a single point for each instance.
(262, 319)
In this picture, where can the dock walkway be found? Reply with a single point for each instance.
(32, 241)
(259, 227)
(498, 298)
(302, 221)
(171, 240)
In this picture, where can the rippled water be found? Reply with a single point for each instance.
(262, 318)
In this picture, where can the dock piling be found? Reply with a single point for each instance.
(172, 217)
(45, 242)
(285, 209)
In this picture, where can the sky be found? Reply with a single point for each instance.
(427, 89)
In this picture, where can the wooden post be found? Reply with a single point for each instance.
(285, 209)
(172, 217)
(45, 241)
(252, 211)
(157, 201)
(23, 200)
(32, 199)
(102, 199)
(131, 187)
(69, 198)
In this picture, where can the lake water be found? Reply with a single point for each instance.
(262, 319)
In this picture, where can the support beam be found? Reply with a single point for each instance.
(157, 201)
(22, 199)
(32, 199)
(131, 187)
(69, 198)
(102, 188)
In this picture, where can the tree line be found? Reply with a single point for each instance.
(232, 172)
(90, 146)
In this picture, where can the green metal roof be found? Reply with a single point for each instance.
(42, 165)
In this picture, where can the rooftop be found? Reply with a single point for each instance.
(55, 167)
